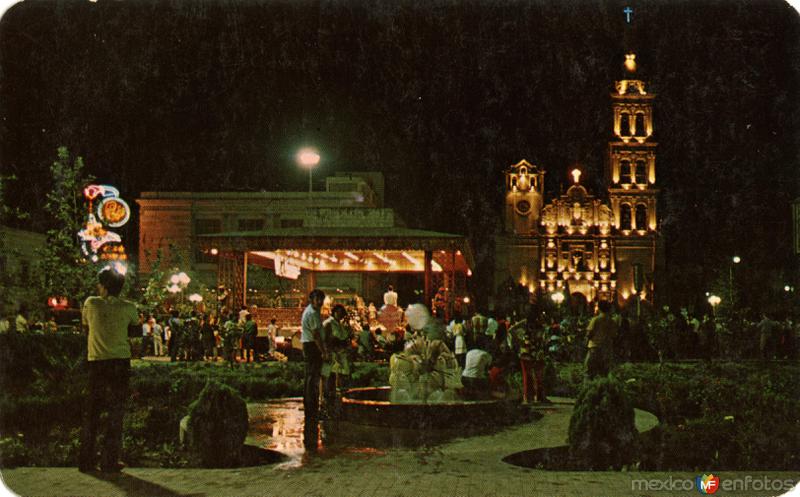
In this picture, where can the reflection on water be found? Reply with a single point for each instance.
(278, 425)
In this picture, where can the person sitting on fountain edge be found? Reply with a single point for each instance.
(475, 376)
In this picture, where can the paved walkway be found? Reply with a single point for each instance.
(462, 467)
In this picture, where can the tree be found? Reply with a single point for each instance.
(65, 271)
(10, 280)
(155, 292)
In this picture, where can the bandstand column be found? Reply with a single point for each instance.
(230, 274)
(428, 278)
(312, 281)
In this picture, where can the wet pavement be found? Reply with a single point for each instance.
(460, 466)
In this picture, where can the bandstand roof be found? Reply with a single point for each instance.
(331, 239)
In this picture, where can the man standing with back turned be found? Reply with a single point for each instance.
(602, 330)
(314, 353)
(107, 318)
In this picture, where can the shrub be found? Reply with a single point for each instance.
(13, 451)
(602, 432)
(218, 426)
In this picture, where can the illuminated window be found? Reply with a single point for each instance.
(625, 217)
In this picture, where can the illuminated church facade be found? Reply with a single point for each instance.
(587, 246)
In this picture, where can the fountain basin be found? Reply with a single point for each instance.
(371, 406)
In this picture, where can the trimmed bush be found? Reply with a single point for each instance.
(602, 432)
(218, 426)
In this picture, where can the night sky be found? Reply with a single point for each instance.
(441, 96)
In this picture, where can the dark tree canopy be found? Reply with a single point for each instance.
(439, 95)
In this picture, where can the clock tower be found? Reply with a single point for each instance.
(524, 198)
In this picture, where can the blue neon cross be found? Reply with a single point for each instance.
(628, 11)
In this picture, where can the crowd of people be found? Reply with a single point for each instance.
(21, 322)
(228, 336)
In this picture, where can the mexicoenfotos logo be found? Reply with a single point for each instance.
(707, 484)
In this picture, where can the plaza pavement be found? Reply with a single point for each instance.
(462, 467)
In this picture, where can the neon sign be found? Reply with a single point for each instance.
(97, 242)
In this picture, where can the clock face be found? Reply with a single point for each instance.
(523, 207)
(114, 212)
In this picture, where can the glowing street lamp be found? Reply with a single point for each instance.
(714, 301)
(178, 281)
(195, 298)
(308, 158)
(557, 297)
(736, 260)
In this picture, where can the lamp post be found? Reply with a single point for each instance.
(178, 281)
(558, 298)
(734, 260)
(308, 158)
(714, 301)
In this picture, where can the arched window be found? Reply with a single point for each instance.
(625, 171)
(624, 124)
(625, 217)
(641, 217)
(640, 176)
(640, 129)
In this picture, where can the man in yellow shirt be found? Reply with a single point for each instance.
(602, 329)
(108, 318)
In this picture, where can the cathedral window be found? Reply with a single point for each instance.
(640, 176)
(625, 167)
(625, 217)
(641, 217)
(639, 122)
(624, 124)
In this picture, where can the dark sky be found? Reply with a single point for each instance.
(439, 95)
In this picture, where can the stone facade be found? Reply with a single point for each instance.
(598, 248)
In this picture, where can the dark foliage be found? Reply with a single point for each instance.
(602, 433)
(43, 381)
(726, 415)
(217, 426)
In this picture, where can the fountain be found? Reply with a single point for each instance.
(425, 381)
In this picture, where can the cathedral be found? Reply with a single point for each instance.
(590, 247)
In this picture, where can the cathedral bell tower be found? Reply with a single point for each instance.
(632, 156)
(631, 179)
(524, 198)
